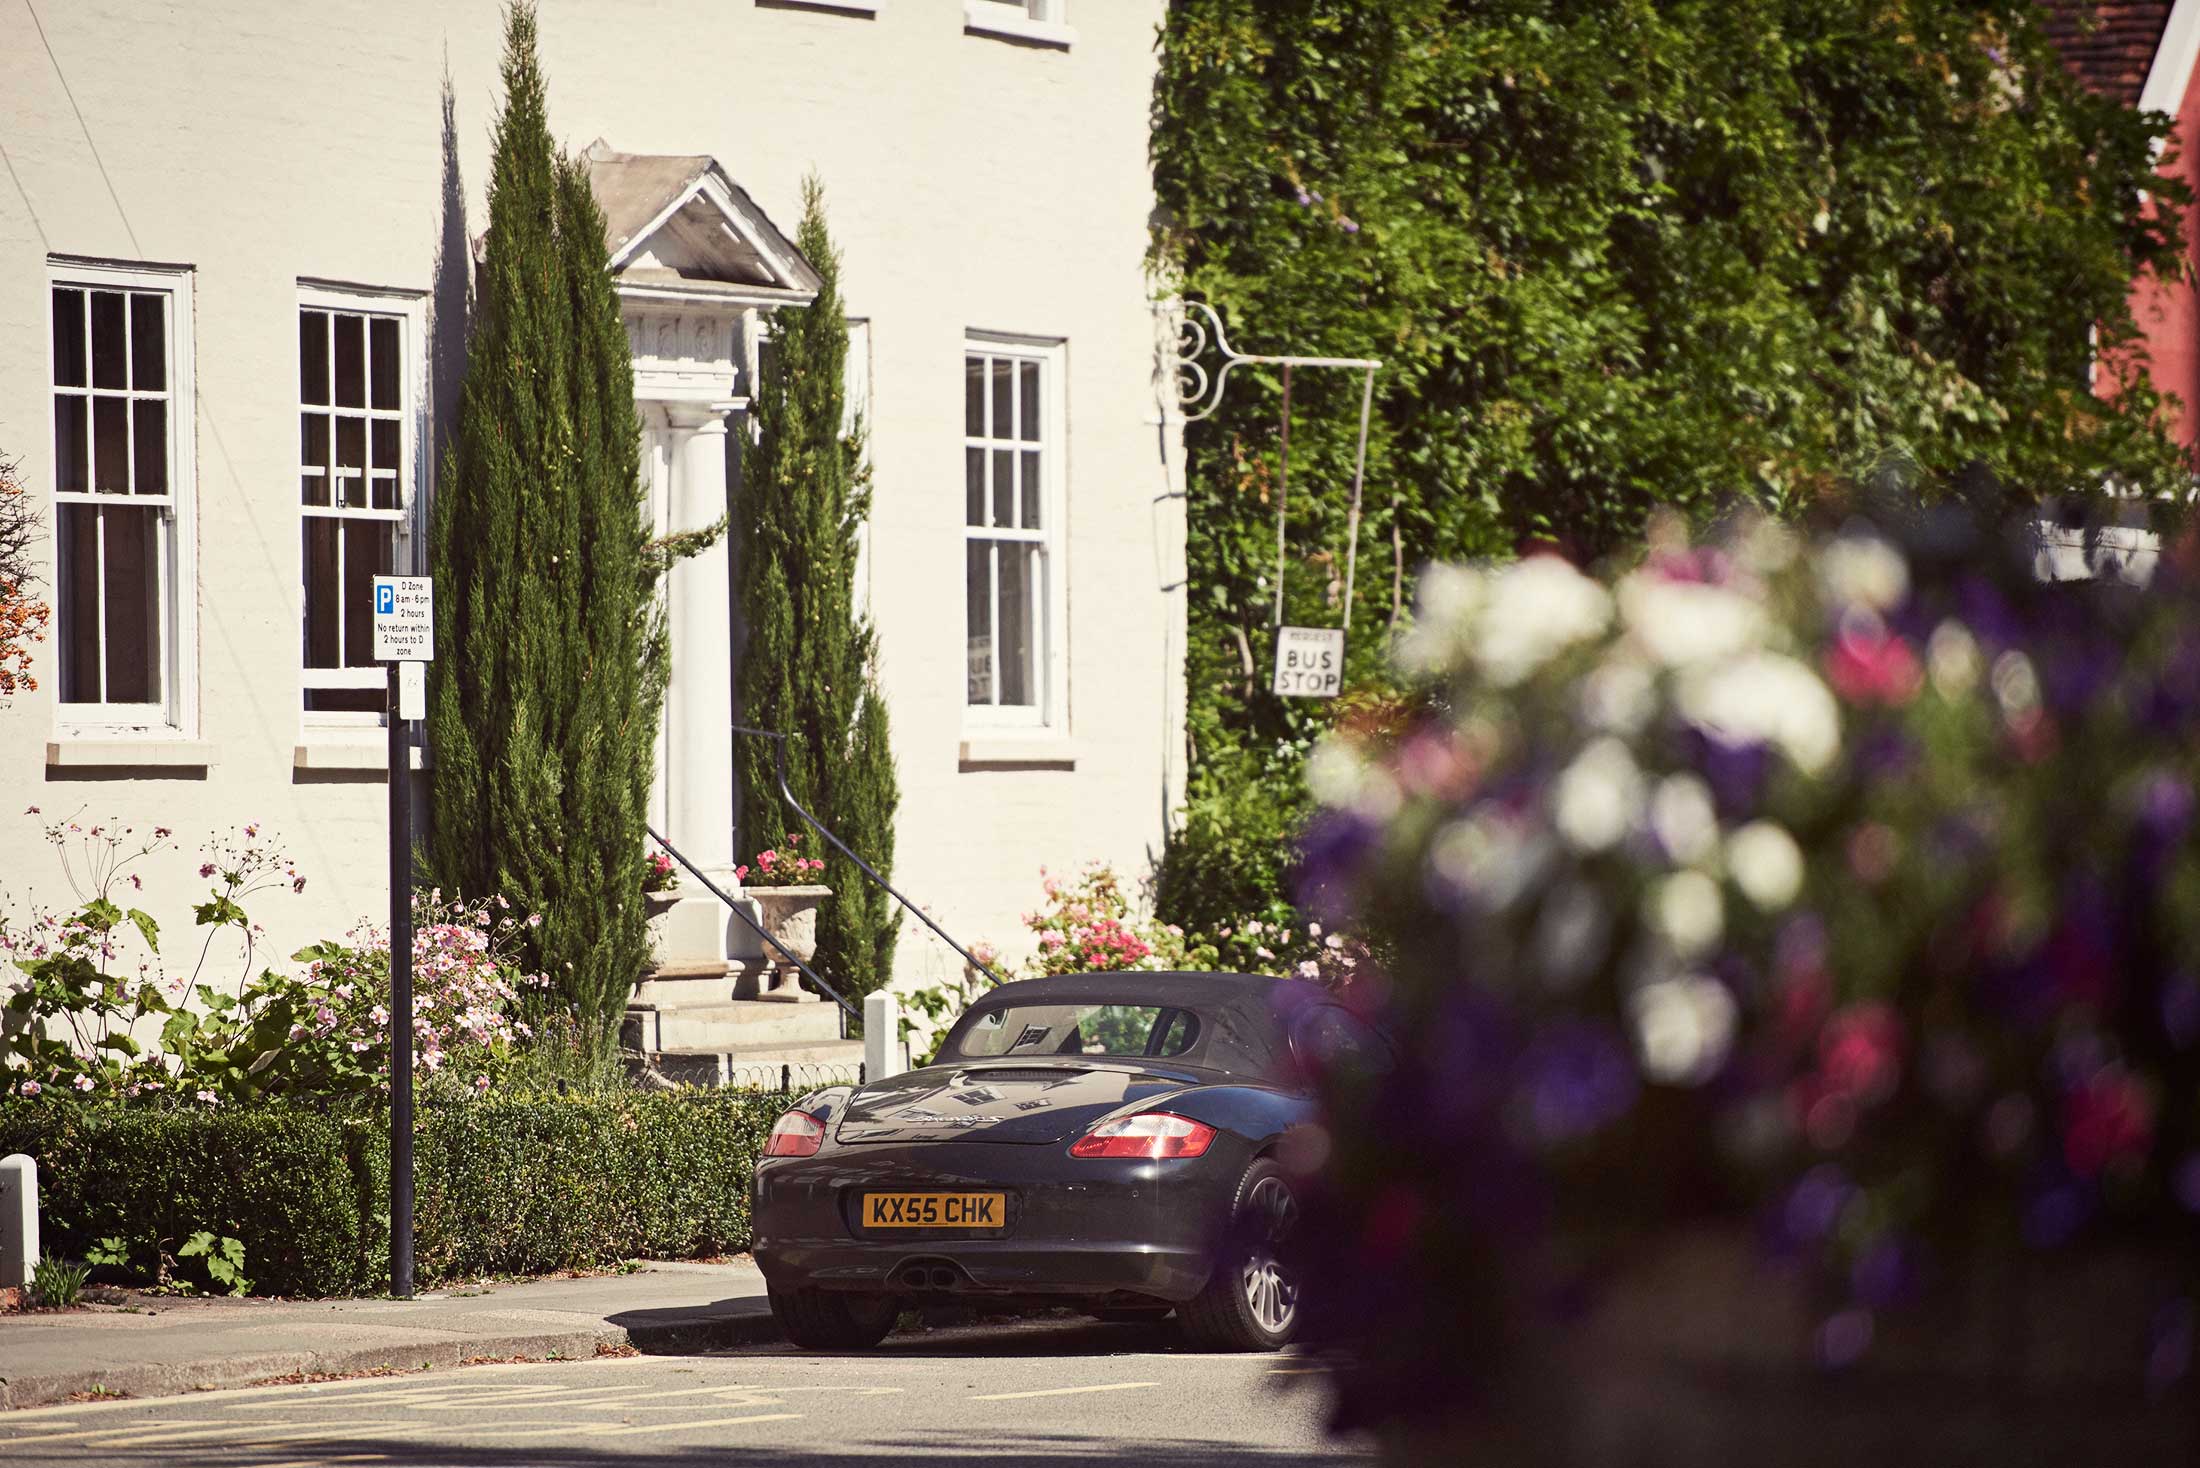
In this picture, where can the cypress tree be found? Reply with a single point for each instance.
(807, 670)
(550, 654)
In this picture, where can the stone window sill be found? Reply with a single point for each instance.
(986, 17)
(1010, 752)
(145, 754)
(348, 754)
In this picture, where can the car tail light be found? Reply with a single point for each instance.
(1148, 1134)
(796, 1134)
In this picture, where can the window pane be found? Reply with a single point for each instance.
(109, 368)
(149, 425)
(313, 432)
(383, 433)
(68, 338)
(1004, 488)
(1004, 395)
(382, 447)
(131, 552)
(77, 567)
(148, 343)
(384, 361)
(974, 396)
(978, 598)
(1030, 487)
(71, 454)
(1027, 407)
(347, 701)
(111, 445)
(973, 486)
(1019, 623)
(351, 461)
(351, 362)
(313, 356)
(324, 606)
(366, 556)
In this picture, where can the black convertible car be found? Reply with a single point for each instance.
(1102, 1140)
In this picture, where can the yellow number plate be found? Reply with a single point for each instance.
(935, 1210)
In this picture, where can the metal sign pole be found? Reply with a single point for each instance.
(404, 639)
(401, 996)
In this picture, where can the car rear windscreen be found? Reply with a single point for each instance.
(1079, 1029)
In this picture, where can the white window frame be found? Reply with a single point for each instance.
(1044, 22)
(1048, 714)
(410, 307)
(176, 714)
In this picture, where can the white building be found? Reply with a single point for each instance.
(233, 237)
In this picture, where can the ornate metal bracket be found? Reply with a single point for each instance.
(1199, 394)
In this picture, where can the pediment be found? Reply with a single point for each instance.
(678, 226)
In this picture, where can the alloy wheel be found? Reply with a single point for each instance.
(1271, 1294)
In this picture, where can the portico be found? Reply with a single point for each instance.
(695, 261)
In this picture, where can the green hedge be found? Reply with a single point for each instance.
(502, 1186)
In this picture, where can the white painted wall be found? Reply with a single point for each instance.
(975, 182)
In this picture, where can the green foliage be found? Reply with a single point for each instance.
(319, 1034)
(504, 1186)
(807, 669)
(224, 1260)
(136, 1184)
(56, 1284)
(1615, 254)
(550, 654)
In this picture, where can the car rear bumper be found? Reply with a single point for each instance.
(1002, 1267)
(1104, 1227)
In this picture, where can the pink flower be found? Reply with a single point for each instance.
(208, 1097)
(206, 869)
(82, 1083)
(1872, 667)
(30, 1088)
(2108, 1120)
(1860, 1051)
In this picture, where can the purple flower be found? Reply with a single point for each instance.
(1576, 1078)
(1815, 1204)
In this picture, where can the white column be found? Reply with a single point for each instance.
(699, 936)
(699, 701)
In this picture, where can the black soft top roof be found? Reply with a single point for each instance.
(1242, 1017)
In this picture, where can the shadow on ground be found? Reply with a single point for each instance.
(998, 1450)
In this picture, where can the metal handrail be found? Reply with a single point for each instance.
(779, 765)
(742, 913)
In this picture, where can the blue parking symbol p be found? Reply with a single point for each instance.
(385, 600)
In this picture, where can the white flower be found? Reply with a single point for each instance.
(1683, 1027)
(1598, 798)
(1339, 778)
(1687, 909)
(1952, 655)
(1682, 816)
(1537, 608)
(1619, 697)
(1765, 698)
(1766, 863)
(1443, 614)
(1681, 623)
(1862, 570)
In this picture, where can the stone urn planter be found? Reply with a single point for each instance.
(789, 916)
(657, 905)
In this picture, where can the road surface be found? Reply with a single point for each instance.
(1052, 1392)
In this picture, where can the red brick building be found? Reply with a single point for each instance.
(2142, 53)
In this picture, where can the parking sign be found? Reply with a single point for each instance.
(404, 619)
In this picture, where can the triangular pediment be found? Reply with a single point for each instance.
(679, 222)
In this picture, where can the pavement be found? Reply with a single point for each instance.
(1039, 1393)
(158, 1346)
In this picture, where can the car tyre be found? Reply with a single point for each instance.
(1251, 1302)
(820, 1320)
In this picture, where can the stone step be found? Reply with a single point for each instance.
(736, 1024)
(799, 1068)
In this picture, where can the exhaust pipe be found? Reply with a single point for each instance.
(943, 1279)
